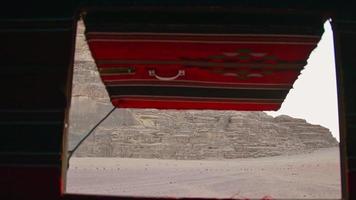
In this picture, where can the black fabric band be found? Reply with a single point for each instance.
(199, 92)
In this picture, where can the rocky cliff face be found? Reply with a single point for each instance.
(179, 134)
(202, 135)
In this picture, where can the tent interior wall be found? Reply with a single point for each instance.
(37, 41)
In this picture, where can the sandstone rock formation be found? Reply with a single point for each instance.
(150, 133)
(203, 135)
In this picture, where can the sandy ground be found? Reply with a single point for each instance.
(307, 176)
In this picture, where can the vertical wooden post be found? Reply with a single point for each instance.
(344, 29)
(36, 58)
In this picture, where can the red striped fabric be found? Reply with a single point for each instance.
(192, 61)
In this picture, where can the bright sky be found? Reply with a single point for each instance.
(313, 96)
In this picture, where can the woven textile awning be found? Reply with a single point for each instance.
(148, 61)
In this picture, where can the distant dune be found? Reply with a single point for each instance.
(305, 176)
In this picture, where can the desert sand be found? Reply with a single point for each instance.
(305, 176)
